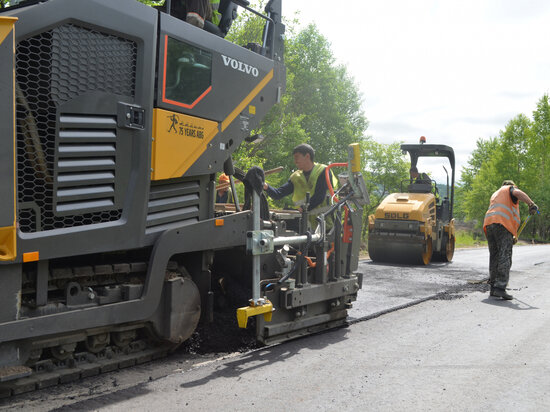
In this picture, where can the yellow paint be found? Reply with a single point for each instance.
(244, 313)
(252, 109)
(450, 228)
(406, 206)
(371, 222)
(355, 157)
(31, 256)
(229, 119)
(8, 235)
(6, 26)
(178, 141)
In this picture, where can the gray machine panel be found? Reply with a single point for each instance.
(112, 216)
(230, 81)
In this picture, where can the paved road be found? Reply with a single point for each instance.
(386, 287)
(467, 353)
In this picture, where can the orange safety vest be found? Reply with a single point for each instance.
(503, 210)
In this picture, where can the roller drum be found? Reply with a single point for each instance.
(391, 249)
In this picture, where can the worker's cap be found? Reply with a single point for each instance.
(223, 178)
(413, 169)
(508, 183)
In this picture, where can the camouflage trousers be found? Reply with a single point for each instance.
(500, 255)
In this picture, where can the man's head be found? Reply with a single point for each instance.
(508, 183)
(414, 172)
(303, 157)
(223, 179)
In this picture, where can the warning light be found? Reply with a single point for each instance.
(422, 140)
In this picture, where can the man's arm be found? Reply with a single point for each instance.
(281, 192)
(424, 178)
(521, 195)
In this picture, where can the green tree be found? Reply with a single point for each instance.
(478, 158)
(481, 154)
(521, 153)
(492, 162)
(537, 167)
(325, 94)
(321, 105)
(152, 2)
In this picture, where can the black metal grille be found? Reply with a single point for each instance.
(52, 68)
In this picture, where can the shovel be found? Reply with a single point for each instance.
(522, 226)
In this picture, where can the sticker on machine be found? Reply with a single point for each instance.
(184, 128)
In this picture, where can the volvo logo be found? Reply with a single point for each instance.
(240, 66)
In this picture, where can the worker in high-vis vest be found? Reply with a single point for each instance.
(417, 177)
(309, 178)
(501, 225)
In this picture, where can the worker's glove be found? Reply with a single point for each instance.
(533, 208)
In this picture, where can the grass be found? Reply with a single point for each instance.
(464, 238)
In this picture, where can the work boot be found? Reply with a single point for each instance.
(501, 293)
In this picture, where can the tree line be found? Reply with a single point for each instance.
(520, 152)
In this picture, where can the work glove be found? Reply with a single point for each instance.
(533, 208)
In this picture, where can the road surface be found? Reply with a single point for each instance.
(460, 351)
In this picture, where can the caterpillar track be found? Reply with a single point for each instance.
(77, 365)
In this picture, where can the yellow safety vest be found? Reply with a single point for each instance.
(303, 185)
(216, 16)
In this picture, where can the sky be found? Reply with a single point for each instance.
(452, 71)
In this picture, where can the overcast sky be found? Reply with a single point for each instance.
(453, 71)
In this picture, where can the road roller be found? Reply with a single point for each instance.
(416, 225)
